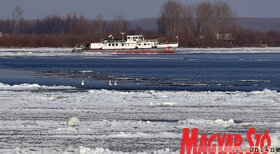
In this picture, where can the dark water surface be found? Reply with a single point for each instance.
(194, 72)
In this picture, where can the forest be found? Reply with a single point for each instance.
(206, 24)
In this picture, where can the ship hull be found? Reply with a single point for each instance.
(130, 51)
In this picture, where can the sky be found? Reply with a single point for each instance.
(130, 9)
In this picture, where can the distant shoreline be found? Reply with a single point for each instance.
(50, 51)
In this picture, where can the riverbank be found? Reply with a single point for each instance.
(70, 40)
(42, 40)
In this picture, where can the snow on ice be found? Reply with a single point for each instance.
(126, 121)
(27, 86)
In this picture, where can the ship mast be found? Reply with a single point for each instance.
(122, 35)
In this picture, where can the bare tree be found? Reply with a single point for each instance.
(223, 17)
(204, 18)
(99, 28)
(171, 18)
(118, 26)
(212, 19)
(195, 23)
(17, 17)
(188, 20)
(76, 25)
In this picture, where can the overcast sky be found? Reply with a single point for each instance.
(131, 9)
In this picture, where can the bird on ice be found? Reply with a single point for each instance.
(110, 83)
(83, 83)
(115, 83)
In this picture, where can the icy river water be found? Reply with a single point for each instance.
(133, 103)
(192, 72)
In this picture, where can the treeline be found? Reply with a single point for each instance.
(66, 31)
(209, 24)
(58, 31)
(42, 40)
(206, 24)
(67, 25)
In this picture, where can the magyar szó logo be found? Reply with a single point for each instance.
(225, 143)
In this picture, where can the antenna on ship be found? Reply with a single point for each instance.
(122, 35)
(111, 36)
(177, 37)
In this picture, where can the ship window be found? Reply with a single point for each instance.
(144, 43)
(109, 44)
(113, 44)
(116, 44)
(122, 44)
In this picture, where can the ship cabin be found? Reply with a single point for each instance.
(131, 42)
(136, 38)
(141, 42)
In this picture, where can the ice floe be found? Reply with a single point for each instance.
(27, 86)
(230, 50)
(126, 121)
(73, 121)
(45, 51)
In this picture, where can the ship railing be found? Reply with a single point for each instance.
(114, 41)
(150, 40)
